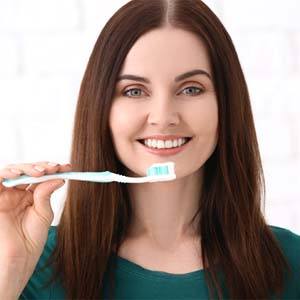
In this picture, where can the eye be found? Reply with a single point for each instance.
(137, 94)
(125, 93)
(191, 88)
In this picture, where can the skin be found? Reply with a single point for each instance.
(25, 218)
(162, 210)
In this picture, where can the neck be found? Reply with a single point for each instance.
(163, 211)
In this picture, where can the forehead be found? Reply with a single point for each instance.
(166, 51)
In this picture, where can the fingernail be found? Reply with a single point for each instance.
(29, 186)
(40, 169)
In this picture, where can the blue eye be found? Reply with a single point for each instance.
(190, 88)
(134, 89)
(200, 91)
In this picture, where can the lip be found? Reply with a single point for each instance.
(165, 152)
(164, 137)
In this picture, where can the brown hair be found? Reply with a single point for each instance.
(96, 216)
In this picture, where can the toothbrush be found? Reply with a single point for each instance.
(156, 172)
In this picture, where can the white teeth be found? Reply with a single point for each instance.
(164, 144)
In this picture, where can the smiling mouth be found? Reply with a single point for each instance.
(188, 139)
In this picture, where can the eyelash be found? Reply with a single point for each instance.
(124, 93)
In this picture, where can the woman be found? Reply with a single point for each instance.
(160, 70)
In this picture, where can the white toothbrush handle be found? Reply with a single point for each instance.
(84, 176)
(87, 176)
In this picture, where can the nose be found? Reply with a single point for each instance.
(163, 113)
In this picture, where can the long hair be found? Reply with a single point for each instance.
(232, 227)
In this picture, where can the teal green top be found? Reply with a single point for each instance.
(135, 282)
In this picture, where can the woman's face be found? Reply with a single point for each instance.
(164, 105)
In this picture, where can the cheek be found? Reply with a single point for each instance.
(204, 118)
(123, 121)
(206, 134)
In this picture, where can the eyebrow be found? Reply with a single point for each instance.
(177, 78)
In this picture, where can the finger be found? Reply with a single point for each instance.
(49, 167)
(7, 174)
(66, 168)
(52, 167)
(15, 173)
(42, 195)
(22, 166)
(33, 169)
(59, 168)
(37, 169)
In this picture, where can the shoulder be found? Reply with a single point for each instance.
(289, 240)
(35, 286)
(289, 243)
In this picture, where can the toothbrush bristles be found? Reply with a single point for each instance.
(161, 169)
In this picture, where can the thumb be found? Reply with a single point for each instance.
(42, 195)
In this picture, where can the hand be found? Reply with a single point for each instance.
(25, 218)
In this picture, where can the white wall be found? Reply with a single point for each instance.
(44, 50)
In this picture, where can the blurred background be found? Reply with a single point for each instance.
(45, 46)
